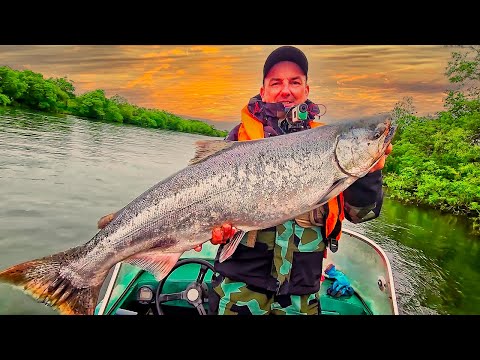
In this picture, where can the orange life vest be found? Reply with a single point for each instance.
(251, 129)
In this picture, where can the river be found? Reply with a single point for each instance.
(59, 175)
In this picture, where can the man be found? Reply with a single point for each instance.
(269, 272)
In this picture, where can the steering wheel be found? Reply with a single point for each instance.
(195, 293)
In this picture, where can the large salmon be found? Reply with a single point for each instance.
(252, 185)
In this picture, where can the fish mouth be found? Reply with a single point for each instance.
(390, 131)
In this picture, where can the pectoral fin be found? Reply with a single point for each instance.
(232, 245)
(156, 261)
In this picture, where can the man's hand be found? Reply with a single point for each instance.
(104, 220)
(220, 235)
(381, 163)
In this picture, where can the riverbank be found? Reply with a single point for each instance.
(436, 162)
(469, 222)
(29, 90)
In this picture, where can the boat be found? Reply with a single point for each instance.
(130, 290)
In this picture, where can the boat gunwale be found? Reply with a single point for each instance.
(385, 260)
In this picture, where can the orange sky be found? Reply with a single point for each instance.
(214, 82)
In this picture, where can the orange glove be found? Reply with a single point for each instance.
(220, 235)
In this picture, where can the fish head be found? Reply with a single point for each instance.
(361, 144)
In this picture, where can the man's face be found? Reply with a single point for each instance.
(285, 83)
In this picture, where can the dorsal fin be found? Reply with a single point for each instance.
(206, 148)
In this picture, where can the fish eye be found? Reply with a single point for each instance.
(379, 130)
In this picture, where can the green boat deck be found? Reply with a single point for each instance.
(361, 259)
(124, 295)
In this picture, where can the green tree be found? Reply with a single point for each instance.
(65, 85)
(11, 83)
(463, 70)
(40, 94)
(4, 99)
(92, 104)
(436, 160)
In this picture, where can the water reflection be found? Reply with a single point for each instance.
(434, 256)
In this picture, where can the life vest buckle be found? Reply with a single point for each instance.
(333, 243)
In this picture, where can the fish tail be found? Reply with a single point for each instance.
(41, 279)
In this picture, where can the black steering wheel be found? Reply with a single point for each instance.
(195, 293)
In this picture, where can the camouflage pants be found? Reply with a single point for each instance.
(236, 298)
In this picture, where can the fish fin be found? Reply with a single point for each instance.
(206, 148)
(336, 189)
(231, 246)
(156, 261)
(41, 279)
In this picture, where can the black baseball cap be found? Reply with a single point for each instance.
(286, 53)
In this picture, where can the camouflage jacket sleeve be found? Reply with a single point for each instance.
(364, 198)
